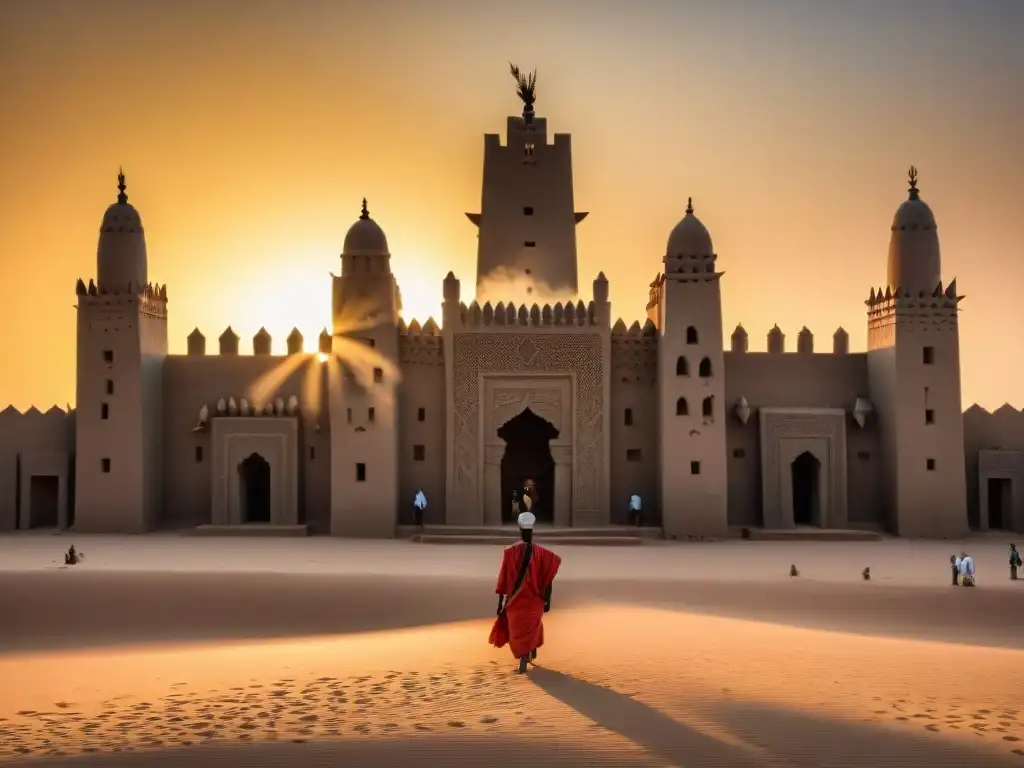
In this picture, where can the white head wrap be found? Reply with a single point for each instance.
(526, 521)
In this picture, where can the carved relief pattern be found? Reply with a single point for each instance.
(1001, 464)
(779, 426)
(509, 403)
(477, 354)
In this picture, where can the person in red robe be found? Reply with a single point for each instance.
(525, 579)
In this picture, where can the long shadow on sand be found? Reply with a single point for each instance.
(781, 737)
(656, 732)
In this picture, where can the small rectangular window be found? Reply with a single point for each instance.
(528, 210)
(371, 415)
(105, 466)
(530, 244)
(104, 411)
(378, 375)
(928, 355)
(348, 415)
(694, 467)
(421, 414)
(110, 386)
(312, 452)
(108, 356)
(863, 456)
(360, 473)
(199, 454)
(930, 464)
(628, 417)
(929, 416)
(739, 453)
(419, 453)
(633, 454)
(370, 342)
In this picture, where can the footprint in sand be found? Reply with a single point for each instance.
(1011, 738)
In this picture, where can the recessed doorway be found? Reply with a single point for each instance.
(1000, 503)
(44, 501)
(254, 484)
(527, 466)
(806, 477)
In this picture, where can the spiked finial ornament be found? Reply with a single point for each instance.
(122, 198)
(912, 175)
(365, 213)
(689, 205)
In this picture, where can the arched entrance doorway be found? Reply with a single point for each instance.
(254, 486)
(806, 476)
(527, 465)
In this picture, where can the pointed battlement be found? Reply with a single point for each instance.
(777, 341)
(565, 315)
(150, 298)
(421, 344)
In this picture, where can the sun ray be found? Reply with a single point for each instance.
(262, 390)
(312, 387)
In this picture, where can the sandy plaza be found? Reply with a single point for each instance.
(166, 650)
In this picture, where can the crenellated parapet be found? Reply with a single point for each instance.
(564, 316)
(54, 413)
(150, 298)
(1001, 429)
(420, 345)
(938, 309)
(262, 343)
(634, 351)
(739, 342)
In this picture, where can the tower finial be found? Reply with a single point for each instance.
(912, 174)
(122, 198)
(689, 205)
(365, 213)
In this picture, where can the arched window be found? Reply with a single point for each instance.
(708, 407)
(682, 367)
(682, 409)
(691, 335)
(705, 368)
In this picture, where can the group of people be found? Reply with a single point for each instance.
(962, 568)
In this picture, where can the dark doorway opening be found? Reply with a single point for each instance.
(254, 478)
(527, 466)
(806, 474)
(44, 501)
(1000, 503)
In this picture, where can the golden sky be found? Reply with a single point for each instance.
(250, 131)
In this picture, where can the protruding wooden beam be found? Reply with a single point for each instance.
(581, 216)
(474, 217)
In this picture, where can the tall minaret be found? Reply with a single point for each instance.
(122, 344)
(527, 220)
(364, 408)
(914, 377)
(687, 309)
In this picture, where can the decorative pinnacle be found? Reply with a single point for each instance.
(912, 174)
(122, 198)
(365, 213)
(689, 205)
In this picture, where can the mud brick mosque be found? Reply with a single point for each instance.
(580, 409)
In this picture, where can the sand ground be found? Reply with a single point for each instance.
(165, 651)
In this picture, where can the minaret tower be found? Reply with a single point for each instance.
(363, 398)
(527, 220)
(914, 374)
(687, 309)
(122, 343)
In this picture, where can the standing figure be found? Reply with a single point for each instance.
(966, 570)
(954, 566)
(419, 503)
(525, 579)
(635, 510)
(515, 505)
(1015, 562)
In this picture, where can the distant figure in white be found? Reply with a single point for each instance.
(635, 509)
(966, 570)
(418, 505)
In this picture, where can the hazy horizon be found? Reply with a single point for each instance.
(251, 131)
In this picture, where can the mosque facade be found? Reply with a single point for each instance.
(563, 402)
